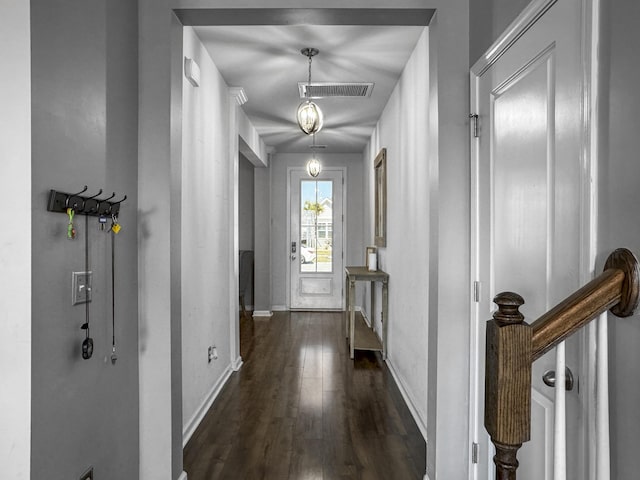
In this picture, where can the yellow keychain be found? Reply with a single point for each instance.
(115, 226)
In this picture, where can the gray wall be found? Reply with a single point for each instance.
(84, 97)
(619, 171)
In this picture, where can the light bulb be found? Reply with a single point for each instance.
(309, 117)
(314, 167)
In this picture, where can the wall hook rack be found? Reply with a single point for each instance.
(83, 205)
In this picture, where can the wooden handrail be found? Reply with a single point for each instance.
(513, 345)
(613, 288)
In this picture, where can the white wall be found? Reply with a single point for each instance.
(15, 250)
(206, 196)
(245, 204)
(251, 145)
(262, 248)
(406, 257)
(354, 213)
(246, 216)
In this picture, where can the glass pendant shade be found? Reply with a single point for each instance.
(309, 117)
(313, 167)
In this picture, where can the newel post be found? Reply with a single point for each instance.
(507, 415)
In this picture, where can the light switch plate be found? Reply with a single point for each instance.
(81, 287)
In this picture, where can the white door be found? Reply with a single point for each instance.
(316, 238)
(528, 183)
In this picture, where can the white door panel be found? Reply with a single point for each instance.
(316, 240)
(526, 222)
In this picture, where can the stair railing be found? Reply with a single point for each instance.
(513, 345)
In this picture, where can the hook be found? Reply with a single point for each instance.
(96, 195)
(69, 197)
(113, 194)
(100, 202)
(119, 201)
(84, 201)
(109, 210)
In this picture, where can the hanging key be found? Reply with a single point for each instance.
(103, 221)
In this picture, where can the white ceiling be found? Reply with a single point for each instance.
(265, 60)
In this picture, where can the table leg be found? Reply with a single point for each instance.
(385, 310)
(352, 316)
(348, 306)
(372, 313)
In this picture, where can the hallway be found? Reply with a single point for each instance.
(300, 409)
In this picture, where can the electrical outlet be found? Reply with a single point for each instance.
(81, 287)
(88, 475)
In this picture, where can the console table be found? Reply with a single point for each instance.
(360, 336)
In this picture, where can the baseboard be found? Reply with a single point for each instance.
(197, 417)
(262, 313)
(183, 476)
(279, 308)
(368, 321)
(364, 315)
(422, 425)
(237, 364)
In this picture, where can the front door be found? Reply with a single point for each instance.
(315, 246)
(528, 182)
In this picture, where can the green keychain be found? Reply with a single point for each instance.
(71, 231)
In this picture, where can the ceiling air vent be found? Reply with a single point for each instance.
(335, 89)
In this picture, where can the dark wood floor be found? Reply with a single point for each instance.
(300, 409)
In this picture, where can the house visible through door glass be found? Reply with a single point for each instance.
(316, 226)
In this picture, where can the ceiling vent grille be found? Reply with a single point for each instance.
(335, 89)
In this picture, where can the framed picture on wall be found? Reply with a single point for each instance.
(380, 181)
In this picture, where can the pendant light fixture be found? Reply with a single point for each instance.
(309, 114)
(313, 166)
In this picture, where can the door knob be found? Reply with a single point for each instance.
(293, 257)
(549, 379)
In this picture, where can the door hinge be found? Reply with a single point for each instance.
(474, 119)
(476, 291)
(474, 453)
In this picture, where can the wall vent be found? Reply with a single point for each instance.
(335, 89)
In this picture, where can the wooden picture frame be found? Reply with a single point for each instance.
(380, 184)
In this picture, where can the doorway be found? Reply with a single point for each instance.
(316, 219)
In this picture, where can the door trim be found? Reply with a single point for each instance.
(514, 31)
(288, 226)
(595, 339)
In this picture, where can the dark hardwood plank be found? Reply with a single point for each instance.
(301, 409)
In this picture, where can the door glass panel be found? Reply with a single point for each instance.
(316, 226)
